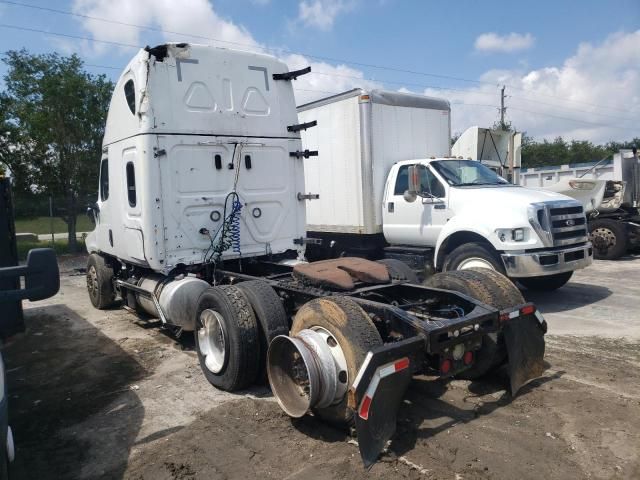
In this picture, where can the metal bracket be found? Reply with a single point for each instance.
(308, 196)
(301, 126)
(307, 241)
(305, 154)
(151, 295)
(159, 153)
(291, 75)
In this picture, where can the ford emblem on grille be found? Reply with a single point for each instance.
(570, 223)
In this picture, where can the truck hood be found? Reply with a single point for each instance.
(509, 198)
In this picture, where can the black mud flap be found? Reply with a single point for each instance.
(377, 393)
(524, 338)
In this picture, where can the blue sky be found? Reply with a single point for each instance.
(572, 68)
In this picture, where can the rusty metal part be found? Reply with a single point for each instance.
(341, 273)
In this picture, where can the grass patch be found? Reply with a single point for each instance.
(60, 246)
(42, 225)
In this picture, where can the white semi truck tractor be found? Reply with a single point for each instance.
(200, 222)
(456, 214)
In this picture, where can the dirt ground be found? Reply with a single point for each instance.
(106, 395)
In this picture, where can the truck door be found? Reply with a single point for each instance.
(418, 222)
(103, 218)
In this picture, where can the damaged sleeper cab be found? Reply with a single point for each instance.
(200, 222)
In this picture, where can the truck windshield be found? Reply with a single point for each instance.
(460, 173)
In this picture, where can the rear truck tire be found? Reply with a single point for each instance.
(270, 314)
(473, 255)
(100, 282)
(546, 283)
(354, 332)
(493, 289)
(399, 270)
(227, 339)
(609, 238)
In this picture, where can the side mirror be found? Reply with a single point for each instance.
(92, 212)
(41, 277)
(414, 184)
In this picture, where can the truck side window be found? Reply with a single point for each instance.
(428, 182)
(104, 179)
(131, 184)
(402, 180)
(130, 95)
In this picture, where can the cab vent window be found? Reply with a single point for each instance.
(131, 184)
(104, 179)
(130, 95)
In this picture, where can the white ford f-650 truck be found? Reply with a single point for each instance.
(462, 214)
(200, 223)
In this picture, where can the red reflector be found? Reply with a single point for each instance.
(528, 310)
(445, 366)
(468, 358)
(364, 408)
(401, 364)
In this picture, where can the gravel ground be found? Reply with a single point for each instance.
(106, 395)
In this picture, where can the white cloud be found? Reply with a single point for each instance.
(322, 13)
(512, 42)
(594, 95)
(327, 80)
(199, 18)
(605, 74)
(196, 17)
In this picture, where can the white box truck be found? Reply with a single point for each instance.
(200, 222)
(465, 216)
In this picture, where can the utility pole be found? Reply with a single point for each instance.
(503, 109)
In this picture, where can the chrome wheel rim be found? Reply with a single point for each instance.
(212, 340)
(92, 280)
(342, 371)
(475, 262)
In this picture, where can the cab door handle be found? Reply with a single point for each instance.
(390, 207)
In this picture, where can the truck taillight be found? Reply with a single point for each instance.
(445, 366)
(468, 358)
(527, 310)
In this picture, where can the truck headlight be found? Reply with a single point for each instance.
(517, 234)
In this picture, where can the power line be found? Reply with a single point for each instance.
(331, 59)
(56, 34)
(15, 27)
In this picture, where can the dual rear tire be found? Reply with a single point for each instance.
(488, 287)
(234, 326)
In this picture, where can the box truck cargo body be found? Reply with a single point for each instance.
(362, 134)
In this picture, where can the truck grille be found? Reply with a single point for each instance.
(559, 223)
(568, 225)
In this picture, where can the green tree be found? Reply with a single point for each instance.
(559, 152)
(52, 123)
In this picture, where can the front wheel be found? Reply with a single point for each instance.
(100, 282)
(473, 256)
(546, 283)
